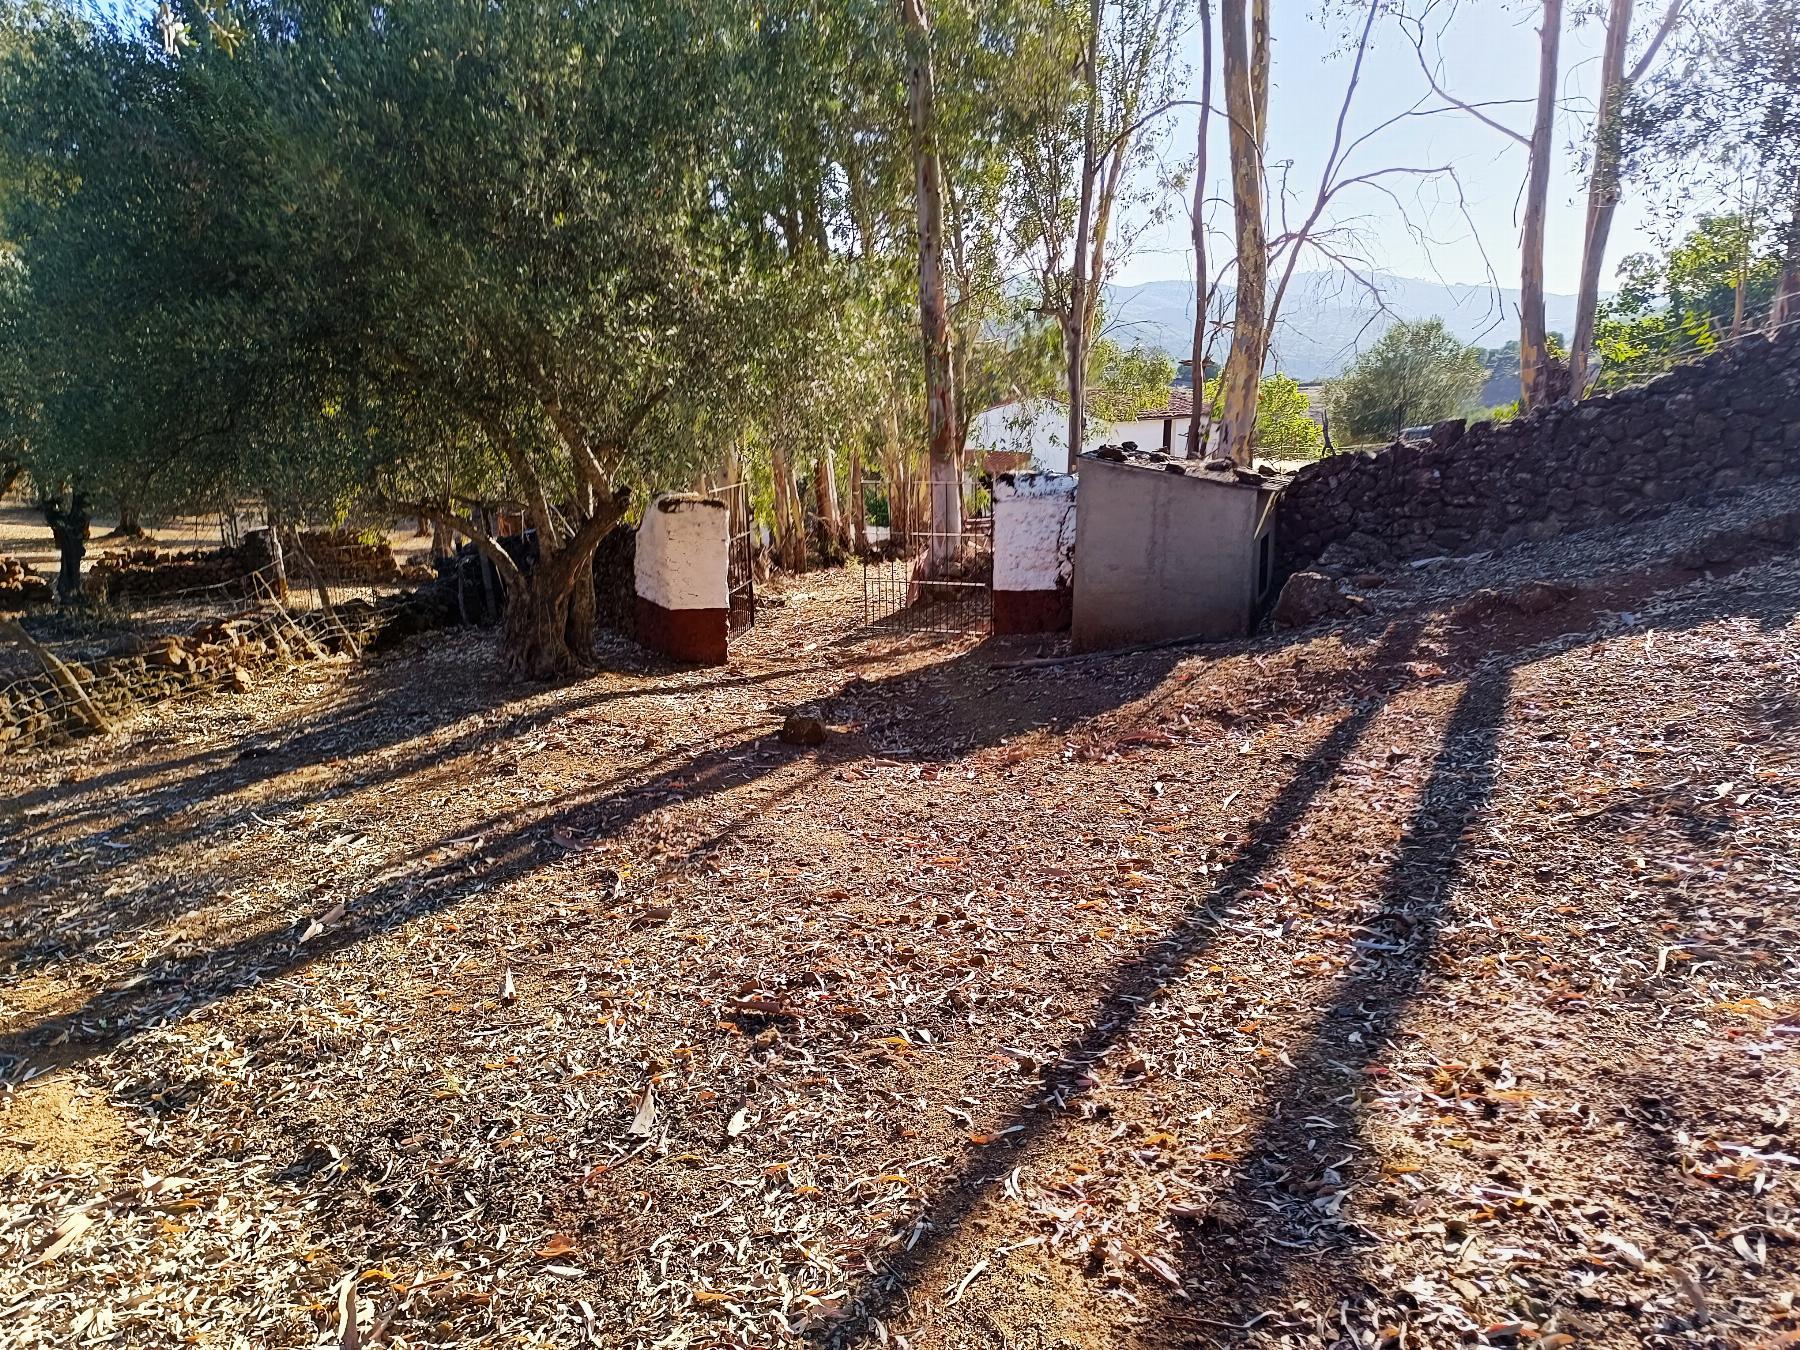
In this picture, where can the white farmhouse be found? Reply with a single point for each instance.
(1033, 433)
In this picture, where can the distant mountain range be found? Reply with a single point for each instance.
(1327, 318)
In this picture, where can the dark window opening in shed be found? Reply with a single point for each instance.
(1262, 565)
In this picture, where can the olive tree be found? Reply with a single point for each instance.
(502, 241)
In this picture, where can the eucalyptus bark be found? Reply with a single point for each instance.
(945, 455)
(1536, 373)
(1603, 190)
(830, 518)
(859, 507)
(1604, 183)
(1075, 327)
(790, 522)
(1197, 420)
(1246, 84)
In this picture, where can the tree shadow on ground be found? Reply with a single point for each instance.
(1369, 1003)
(510, 848)
(389, 731)
(1132, 985)
(505, 847)
(1281, 1208)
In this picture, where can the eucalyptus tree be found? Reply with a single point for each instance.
(1424, 22)
(1606, 170)
(1086, 130)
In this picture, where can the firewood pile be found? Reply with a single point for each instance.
(221, 655)
(21, 585)
(343, 555)
(144, 573)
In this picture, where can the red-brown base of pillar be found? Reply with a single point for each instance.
(696, 635)
(1032, 611)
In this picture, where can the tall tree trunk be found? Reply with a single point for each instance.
(1603, 190)
(790, 516)
(1075, 329)
(1246, 74)
(831, 524)
(1784, 310)
(859, 506)
(1604, 182)
(934, 316)
(1259, 68)
(68, 518)
(1196, 433)
(1537, 385)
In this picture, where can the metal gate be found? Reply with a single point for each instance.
(740, 564)
(917, 581)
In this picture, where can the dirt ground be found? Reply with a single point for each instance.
(1429, 980)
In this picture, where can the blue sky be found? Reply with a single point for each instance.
(1490, 52)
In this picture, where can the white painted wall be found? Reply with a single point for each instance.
(1038, 427)
(682, 553)
(1034, 531)
(1148, 433)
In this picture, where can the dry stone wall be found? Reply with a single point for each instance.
(341, 557)
(1730, 419)
(144, 573)
(345, 556)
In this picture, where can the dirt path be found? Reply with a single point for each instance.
(1389, 986)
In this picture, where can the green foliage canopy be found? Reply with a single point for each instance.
(1415, 373)
(1682, 304)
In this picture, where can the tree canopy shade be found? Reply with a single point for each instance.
(1414, 374)
(430, 248)
(449, 251)
(532, 210)
(124, 339)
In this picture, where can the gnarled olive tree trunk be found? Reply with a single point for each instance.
(547, 630)
(68, 517)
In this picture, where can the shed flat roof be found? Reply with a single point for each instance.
(1203, 471)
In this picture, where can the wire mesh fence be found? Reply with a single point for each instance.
(128, 609)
